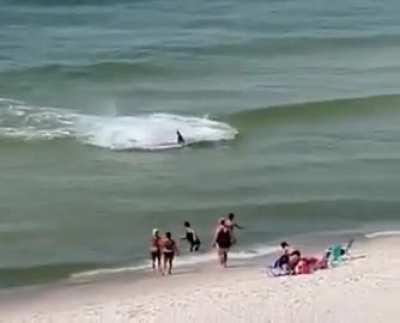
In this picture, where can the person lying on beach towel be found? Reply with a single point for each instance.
(307, 265)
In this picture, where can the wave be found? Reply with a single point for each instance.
(75, 272)
(102, 71)
(295, 45)
(155, 131)
(40, 274)
(150, 132)
(188, 260)
(312, 112)
(145, 62)
(60, 3)
(379, 234)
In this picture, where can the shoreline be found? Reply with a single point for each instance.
(249, 254)
(213, 294)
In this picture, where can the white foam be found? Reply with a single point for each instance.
(382, 234)
(155, 131)
(24, 122)
(150, 132)
(187, 260)
(108, 271)
(8, 100)
(33, 134)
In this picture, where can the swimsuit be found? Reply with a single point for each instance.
(155, 247)
(223, 239)
(169, 249)
(190, 237)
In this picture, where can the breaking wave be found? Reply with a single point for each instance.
(155, 131)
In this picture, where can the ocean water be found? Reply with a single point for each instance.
(291, 111)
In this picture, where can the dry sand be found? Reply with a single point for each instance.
(365, 289)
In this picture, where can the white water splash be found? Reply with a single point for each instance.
(156, 131)
(150, 132)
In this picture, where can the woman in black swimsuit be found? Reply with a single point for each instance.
(223, 242)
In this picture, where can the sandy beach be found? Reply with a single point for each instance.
(364, 289)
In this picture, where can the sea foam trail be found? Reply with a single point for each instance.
(187, 260)
(382, 234)
(150, 132)
(155, 131)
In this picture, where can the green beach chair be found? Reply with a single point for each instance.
(335, 255)
(338, 253)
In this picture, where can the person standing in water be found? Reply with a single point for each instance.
(155, 250)
(231, 224)
(222, 241)
(191, 237)
(169, 250)
(180, 140)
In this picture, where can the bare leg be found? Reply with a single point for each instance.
(153, 261)
(170, 265)
(159, 263)
(221, 257)
(225, 258)
(164, 264)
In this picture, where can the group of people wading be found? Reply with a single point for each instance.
(163, 249)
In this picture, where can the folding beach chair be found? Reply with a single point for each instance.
(337, 253)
